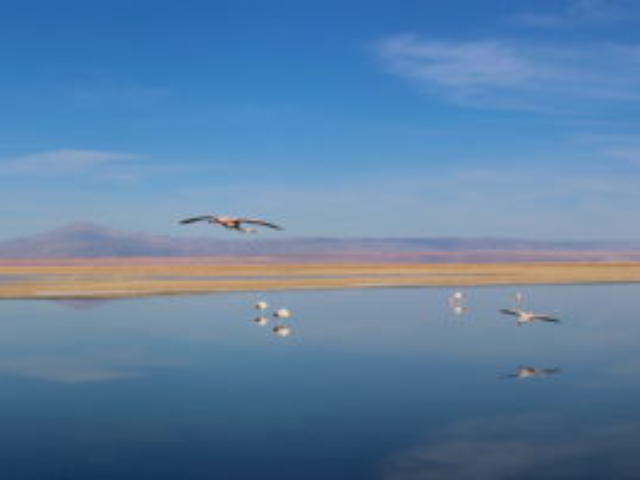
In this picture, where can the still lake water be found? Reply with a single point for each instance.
(371, 384)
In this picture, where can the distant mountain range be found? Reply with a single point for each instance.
(88, 240)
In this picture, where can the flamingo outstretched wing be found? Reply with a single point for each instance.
(256, 221)
(197, 219)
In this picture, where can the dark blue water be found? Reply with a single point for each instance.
(372, 384)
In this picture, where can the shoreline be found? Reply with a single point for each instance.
(121, 280)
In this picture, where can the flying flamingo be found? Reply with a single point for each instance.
(231, 223)
(525, 317)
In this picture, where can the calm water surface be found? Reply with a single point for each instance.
(372, 384)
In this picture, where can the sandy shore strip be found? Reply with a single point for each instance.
(114, 280)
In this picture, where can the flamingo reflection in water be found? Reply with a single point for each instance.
(529, 372)
(282, 330)
(261, 320)
(457, 302)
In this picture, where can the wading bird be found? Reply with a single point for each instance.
(526, 317)
(457, 296)
(282, 313)
(261, 306)
(232, 223)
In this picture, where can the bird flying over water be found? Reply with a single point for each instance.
(232, 223)
(526, 317)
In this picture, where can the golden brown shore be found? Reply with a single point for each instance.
(142, 277)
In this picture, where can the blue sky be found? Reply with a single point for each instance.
(333, 118)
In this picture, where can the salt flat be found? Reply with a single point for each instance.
(124, 278)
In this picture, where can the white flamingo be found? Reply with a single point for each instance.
(282, 313)
(456, 297)
(262, 306)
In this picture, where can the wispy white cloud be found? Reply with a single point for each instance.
(63, 162)
(578, 12)
(553, 199)
(540, 20)
(65, 370)
(458, 64)
(628, 154)
(87, 365)
(131, 95)
(517, 75)
(514, 447)
(623, 149)
(97, 87)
